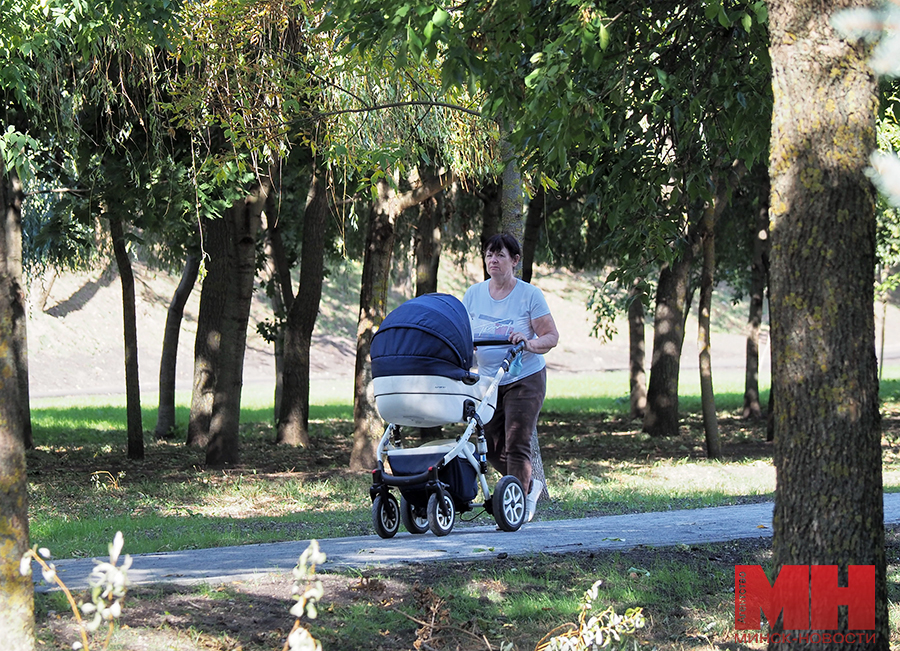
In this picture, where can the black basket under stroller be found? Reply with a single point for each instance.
(421, 377)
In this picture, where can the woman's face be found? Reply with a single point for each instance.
(500, 263)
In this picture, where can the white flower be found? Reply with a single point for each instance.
(115, 547)
(49, 573)
(885, 174)
(25, 565)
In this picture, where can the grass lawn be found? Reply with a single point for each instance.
(83, 490)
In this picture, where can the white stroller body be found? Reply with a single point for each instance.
(421, 360)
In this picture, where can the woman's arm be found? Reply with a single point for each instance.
(547, 335)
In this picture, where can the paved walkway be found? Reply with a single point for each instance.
(612, 532)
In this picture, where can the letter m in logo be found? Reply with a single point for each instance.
(753, 593)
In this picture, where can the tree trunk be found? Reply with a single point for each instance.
(168, 361)
(428, 257)
(244, 219)
(372, 309)
(17, 592)
(293, 420)
(376, 273)
(207, 343)
(275, 257)
(13, 212)
(828, 499)
(758, 281)
(707, 395)
(225, 299)
(490, 223)
(512, 201)
(428, 244)
(534, 219)
(636, 351)
(672, 294)
(279, 271)
(129, 327)
(512, 198)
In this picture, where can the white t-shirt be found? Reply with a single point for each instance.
(492, 319)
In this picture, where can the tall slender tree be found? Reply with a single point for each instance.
(168, 362)
(302, 310)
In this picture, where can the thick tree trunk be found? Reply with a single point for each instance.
(636, 352)
(758, 282)
(207, 343)
(17, 592)
(245, 218)
(168, 361)
(293, 420)
(707, 394)
(368, 425)
(230, 243)
(512, 198)
(129, 326)
(828, 499)
(672, 294)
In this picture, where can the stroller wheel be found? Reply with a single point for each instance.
(508, 503)
(413, 523)
(440, 520)
(386, 515)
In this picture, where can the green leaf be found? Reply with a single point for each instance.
(724, 21)
(604, 37)
(762, 12)
(440, 17)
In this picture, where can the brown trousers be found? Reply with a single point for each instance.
(508, 433)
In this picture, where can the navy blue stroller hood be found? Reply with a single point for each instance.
(428, 335)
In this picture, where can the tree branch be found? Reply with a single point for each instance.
(379, 107)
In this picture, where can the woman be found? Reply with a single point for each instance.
(504, 307)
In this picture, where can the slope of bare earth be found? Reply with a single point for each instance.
(75, 341)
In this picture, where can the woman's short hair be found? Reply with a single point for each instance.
(502, 241)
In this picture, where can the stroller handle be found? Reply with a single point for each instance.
(513, 351)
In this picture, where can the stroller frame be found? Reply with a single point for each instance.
(429, 500)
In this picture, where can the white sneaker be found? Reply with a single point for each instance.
(532, 499)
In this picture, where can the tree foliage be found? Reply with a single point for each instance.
(640, 101)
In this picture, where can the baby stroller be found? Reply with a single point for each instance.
(421, 377)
